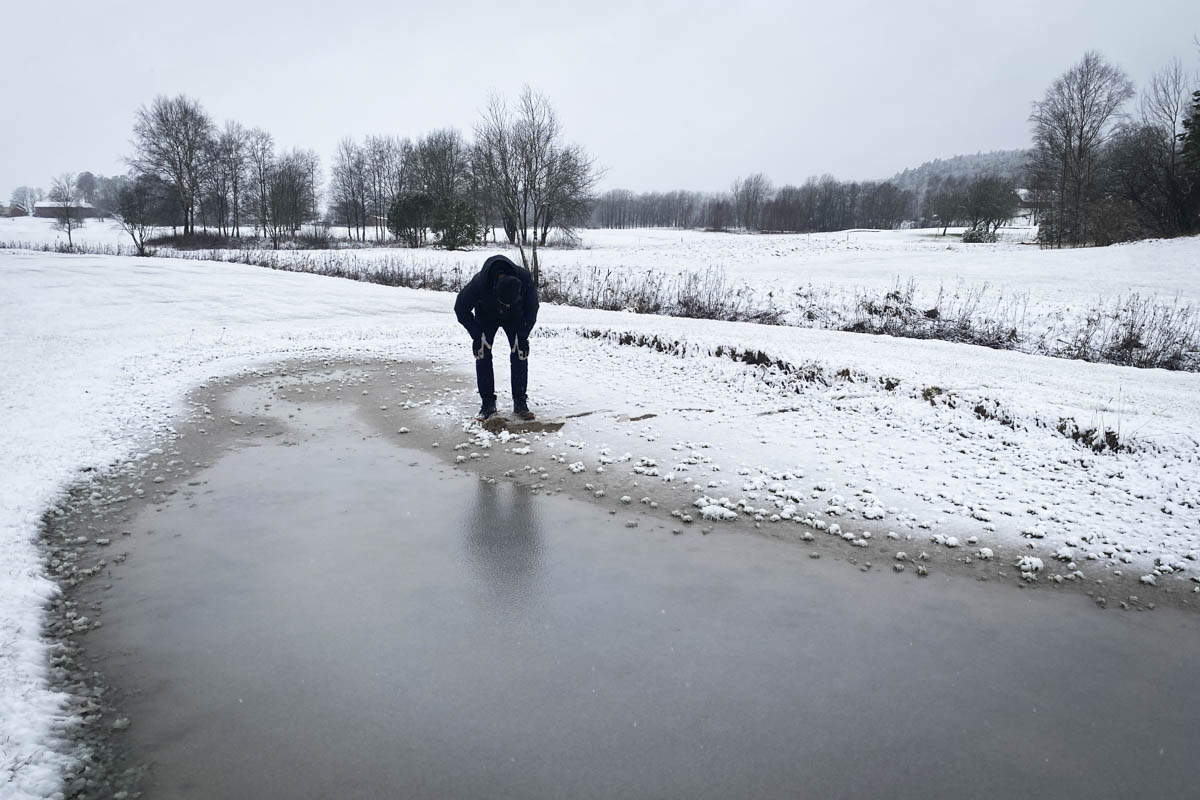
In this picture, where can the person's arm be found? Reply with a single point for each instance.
(531, 307)
(464, 309)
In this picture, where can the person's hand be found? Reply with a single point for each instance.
(521, 347)
(479, 346)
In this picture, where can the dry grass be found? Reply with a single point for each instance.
(1134, 330)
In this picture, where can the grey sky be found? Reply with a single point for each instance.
(665, 95)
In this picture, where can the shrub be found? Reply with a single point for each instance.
(201, 240)
(979, 235)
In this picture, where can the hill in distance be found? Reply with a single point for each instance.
(1007, 163)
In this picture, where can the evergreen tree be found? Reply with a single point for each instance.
(410, 217)
(1191, 137)
(454, 223)
(1190, 153)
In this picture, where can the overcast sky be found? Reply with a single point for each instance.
(665, 95)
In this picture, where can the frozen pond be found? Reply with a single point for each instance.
(336, 616)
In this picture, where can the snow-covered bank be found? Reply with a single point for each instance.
(1138, 322)
(98, 352)
(1055, 280)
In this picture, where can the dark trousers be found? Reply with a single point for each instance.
(483, 367)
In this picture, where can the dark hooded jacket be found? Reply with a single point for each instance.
(477, 307)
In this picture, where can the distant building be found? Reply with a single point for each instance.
(49, 209)
(1027, 201)
(15, 210)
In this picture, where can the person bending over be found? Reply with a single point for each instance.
(501, 296)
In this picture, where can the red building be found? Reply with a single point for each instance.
(49, 209)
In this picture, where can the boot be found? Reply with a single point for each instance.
(521, 409)
(487, 409)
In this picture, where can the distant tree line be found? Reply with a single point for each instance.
(517, 174)
(1097, 173)
(186, 172)
(752, 203)
(818, 205)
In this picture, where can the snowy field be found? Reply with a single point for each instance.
(944, 447)
(1054, 282)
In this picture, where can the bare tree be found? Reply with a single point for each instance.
(260, 156)
(349, 187)
(1071, 124)
(538, 133)
(214, 182)
(108, 194)
(234, 149)
(387, 176)
(170, 137)
(224, 169)
(749, 196)
(68, 214)
(532, 178)
(988, 202)
(310, 163)
(26, 197)
(140, 207)
(570, 181)
(497, 163)
(945, 201)
(292, 194)
(443, 164)
(1164, 104)
(718, 215)
(86, 184)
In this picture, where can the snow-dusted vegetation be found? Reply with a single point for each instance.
(1136, 304)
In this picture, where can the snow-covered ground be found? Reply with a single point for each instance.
(920, 439)
(1068, 281)
(38, 231)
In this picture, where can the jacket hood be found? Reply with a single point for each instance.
(496, 266)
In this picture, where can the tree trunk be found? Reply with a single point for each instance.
(524, 260)
(237, 219)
